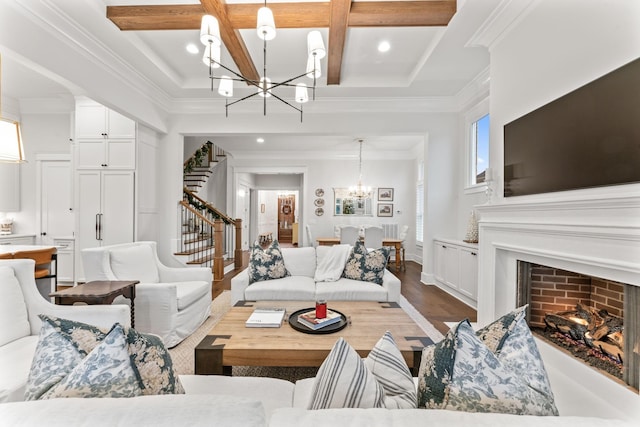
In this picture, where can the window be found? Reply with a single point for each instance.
(420, 203)
(479, 150)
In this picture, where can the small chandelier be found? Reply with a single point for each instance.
(11, 150)
(359, 191)
(266, 28)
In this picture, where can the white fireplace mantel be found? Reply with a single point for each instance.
(595, 236)
(598, 236)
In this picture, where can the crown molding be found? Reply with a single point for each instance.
(501, 21)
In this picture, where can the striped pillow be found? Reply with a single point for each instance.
(388, 366)
(382, 380)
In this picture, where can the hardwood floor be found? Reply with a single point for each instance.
(432, 302)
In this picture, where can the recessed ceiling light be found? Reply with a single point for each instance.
(384, 46)
(260, 140)
(192, 48)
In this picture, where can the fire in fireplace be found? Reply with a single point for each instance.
(584, 315)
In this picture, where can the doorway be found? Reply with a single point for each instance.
(278, 215)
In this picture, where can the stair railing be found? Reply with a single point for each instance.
(209, 234)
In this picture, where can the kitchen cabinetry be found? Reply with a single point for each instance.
(104, 138)
(18, 239)
(104, 210)
(65, 261)
(456, 269)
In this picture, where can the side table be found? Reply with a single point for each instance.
(98, 292)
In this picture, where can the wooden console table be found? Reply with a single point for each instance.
(396, 243)
(98, 292)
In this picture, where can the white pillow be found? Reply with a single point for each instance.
(331, 262)
(13, 310)
(134, 263)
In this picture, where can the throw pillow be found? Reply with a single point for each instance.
(343, 381)
(366, 266)
(63, 343)
(389, 368)
(494, 334)
(462, 373)
(106, 372)
(382, 380)
(331, 262)
(266, 264)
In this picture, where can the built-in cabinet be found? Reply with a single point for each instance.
(456, 269)
(104, 139)
(65, 261)
(17, 239)
(104, 179)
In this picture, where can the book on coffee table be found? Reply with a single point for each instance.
(309, 319)
(266, 318)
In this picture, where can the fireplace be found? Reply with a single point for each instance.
(596, 235)
(584, 315)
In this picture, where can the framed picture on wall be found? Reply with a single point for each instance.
(385, 194)
(385, 209)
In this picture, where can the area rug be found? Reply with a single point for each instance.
(183, 354)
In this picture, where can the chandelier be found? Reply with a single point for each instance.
(359, 191)
(266, 28)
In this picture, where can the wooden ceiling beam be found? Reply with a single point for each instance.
(338, 24)
(231, 39)
(401, 14)
(287, 15)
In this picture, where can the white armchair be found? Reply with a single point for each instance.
(20, 305)
(170, 302)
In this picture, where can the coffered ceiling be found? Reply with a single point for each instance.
(143, 43)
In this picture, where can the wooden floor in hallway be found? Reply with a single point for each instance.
(432, 302)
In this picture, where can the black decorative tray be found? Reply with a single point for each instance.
(334, 327)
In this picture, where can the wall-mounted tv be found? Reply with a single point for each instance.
(587, 138)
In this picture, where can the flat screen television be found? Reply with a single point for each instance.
(587, 138)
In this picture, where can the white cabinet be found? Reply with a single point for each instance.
(18, 239)
(456, 269)
(104, 139)
(104, 210)
(95, 121)
(65, 260)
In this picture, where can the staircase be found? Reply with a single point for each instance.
(207, 235)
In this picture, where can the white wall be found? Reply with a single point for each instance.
(147, 222)
(557, 47)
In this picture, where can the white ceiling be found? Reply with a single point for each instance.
(422, 62)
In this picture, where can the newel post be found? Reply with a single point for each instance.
(237, 254)
(218, 261)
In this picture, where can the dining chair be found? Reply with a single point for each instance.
(349, 235)
(373, 237)
(6, 256)
(402, 236)
(44, 259)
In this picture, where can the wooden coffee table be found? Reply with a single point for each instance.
(230, 343)
(99, 292)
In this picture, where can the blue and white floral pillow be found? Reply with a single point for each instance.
(63, 344)
(266, 264)
(463, 373)
(366, 266)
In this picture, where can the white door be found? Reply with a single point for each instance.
(116, 220)
(56, 213)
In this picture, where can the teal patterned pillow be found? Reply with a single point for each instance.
(366, 266)
(107, 371)
(63, 343)
(266, 264)
(495, 334)
(462, 373)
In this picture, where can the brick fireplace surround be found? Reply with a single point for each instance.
(594, 236)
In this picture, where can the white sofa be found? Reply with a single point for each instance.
(170, 302)
(301, 263)
(20, 305)
(252, 401)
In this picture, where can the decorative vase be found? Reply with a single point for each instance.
(472, 229)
